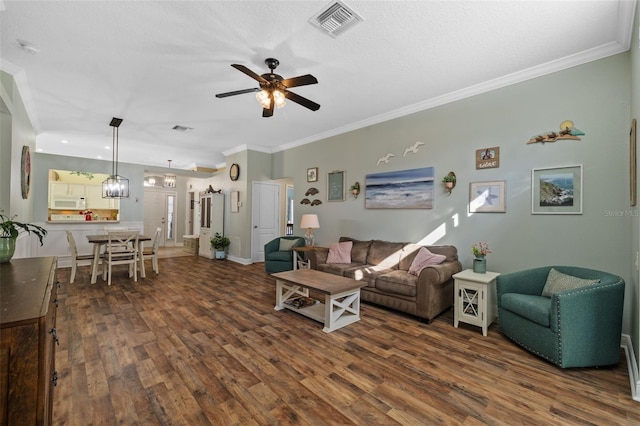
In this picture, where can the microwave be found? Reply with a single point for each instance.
(66, 202)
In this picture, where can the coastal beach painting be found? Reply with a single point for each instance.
(557, 190)
(403, 189)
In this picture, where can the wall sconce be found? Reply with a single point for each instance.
(355, 189)
(449, 181)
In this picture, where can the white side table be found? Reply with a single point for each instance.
(475, 299)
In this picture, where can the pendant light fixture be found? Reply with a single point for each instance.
(115, 186)
(169, 180)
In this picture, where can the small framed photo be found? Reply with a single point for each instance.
(488, 158)
(488, 197)
(235, 201)
(335, 186)
(312, 174)
(556, 190)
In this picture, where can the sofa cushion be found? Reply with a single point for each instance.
(533, 308)
(557, 281)
(367, 273)
(280, 255)
(359, 250)
(338, 268)
(340, 252)
(287, 244)
(385, 254)
(397, 282)
(423, 259)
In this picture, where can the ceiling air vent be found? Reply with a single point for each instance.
(335, 19)
(182, 128)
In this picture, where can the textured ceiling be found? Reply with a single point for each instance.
(159, 64)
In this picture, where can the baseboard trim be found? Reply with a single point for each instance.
(632, 366)
(239, 260)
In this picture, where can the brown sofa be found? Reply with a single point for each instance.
(384, 266)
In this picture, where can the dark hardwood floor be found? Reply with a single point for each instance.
(200, 344)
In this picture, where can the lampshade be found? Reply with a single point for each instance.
(115, 186)
(309, 221)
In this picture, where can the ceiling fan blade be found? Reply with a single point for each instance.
(302, 101)
(302, 80)
(237, 92)
(250, 73)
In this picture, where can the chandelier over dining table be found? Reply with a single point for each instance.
(115, 186)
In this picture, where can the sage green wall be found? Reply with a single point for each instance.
(634, 282)
(17, 132)
(595, 96)
(131, 209)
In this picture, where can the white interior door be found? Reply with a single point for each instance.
(265, 217)
(159, 212)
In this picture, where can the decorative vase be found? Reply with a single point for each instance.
(7, 248)
(480, 265)
(220, 254)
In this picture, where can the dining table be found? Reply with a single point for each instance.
(101, 239)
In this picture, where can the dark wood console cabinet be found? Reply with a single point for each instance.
(27, 340)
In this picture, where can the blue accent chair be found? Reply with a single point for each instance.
(572, 328)
(276, 260)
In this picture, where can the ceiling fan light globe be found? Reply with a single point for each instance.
(278, 97)
(263, 98)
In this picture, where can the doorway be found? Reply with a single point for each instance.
(265, 217)
(160, 212)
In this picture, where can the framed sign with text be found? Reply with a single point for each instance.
(488, 158)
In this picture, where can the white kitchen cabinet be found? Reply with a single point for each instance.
(95, 200)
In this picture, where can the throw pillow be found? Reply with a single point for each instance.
(423, 259)
(557, 281)
(340, 252)
(286, 244)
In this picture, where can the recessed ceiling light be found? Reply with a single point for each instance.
(28, 47)
(64, 141)
(107, 147)
(99, 157)
(39, 150)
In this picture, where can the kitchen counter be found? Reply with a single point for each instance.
(79, 222)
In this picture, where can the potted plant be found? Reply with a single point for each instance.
(449, 181)
(220, 244)
(480, 250)
(9, 231)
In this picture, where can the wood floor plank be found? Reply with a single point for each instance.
(201, 344)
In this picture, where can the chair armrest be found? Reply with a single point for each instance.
(317, 256)
(530, 281)
(589, 317)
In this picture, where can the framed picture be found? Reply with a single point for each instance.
(402, 189)
(312, 174)
(235, 201)
(556, 190)
(335, 186)
(633, 165)
(488, 158)
(487, 197)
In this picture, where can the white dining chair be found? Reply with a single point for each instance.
(75, 257)
(121, 249)
(152, 252)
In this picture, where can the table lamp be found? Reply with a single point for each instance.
(309, 221)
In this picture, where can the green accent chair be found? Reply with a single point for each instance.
(579, 327)
(278, 257)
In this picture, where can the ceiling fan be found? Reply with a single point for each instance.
(273, 88)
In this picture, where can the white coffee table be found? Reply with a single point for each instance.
(341, 305)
